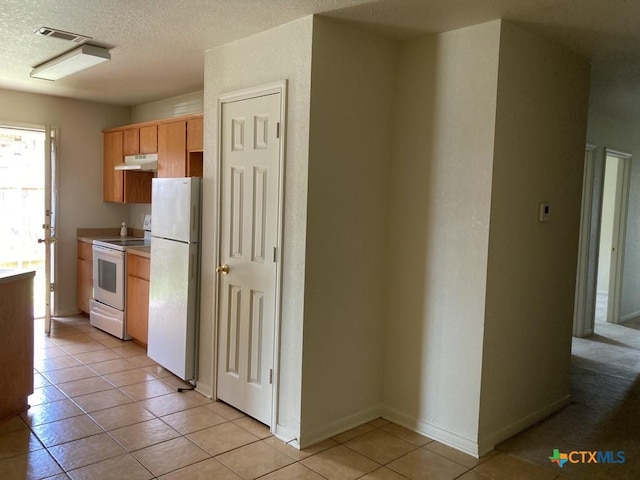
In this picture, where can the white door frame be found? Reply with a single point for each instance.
(51, 217)
(585, 298)
(245, 94)
(619, 234)
(591, 221)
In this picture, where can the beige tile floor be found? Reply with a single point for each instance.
(102, 409)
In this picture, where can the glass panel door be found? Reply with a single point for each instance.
(22, 197)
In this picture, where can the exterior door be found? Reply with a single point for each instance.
(27, 186)
(249, 203)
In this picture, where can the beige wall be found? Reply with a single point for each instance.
(349, 154)
(482, 129)
(79, 170)
(438, 231)
(169, 107)
(539, 156)
(274, 55)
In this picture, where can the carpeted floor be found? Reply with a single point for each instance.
(604, 413)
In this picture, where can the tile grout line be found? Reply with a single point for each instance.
(376, 425)
(180, 435)
(126, 451)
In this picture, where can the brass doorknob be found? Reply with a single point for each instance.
(48, 241)
(223, 269)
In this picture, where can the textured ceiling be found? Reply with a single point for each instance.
(157, 46)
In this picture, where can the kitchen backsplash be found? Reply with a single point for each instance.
(137, 212)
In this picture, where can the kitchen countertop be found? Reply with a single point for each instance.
(11, 275)
(91, 238)
(89, 235)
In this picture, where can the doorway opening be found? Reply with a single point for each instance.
(26, 193)
(601, 256)
(613, 228)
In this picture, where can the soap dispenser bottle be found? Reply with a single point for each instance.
(123, 230)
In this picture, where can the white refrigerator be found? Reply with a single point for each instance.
(175, 273)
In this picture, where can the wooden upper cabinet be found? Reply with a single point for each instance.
(131, 141)
(149, 139)
(178, 143)
(140, 140)
(112, 180)
(172, 149)
(195, 137)
(122, 186)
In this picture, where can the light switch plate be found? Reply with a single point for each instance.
(544, 212)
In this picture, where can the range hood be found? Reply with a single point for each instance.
(141, 163)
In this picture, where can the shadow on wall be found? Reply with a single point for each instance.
(412, 208)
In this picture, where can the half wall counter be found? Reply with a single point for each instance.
(16, 341)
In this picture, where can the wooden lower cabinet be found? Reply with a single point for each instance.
(137, 313)
(84, 291)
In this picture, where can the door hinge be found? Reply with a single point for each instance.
(277, 129)
(270, 376)
(52, 287)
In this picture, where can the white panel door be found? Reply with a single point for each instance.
(250, 156)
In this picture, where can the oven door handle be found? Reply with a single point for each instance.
(108, 251)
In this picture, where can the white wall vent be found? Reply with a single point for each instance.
(62, 35)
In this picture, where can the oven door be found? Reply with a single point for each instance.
(108, 276)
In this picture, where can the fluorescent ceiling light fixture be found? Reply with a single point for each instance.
(61, 34)
(71, 62)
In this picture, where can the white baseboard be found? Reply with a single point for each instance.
(489, 442)
(468, 445)
(204, 389)
(630, 316)
(67, 313)
(434, 432)
(339, 426)
(287, 436)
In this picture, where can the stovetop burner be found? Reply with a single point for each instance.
(123, 243)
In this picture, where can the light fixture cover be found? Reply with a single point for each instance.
(71, 62)
(61, 34)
